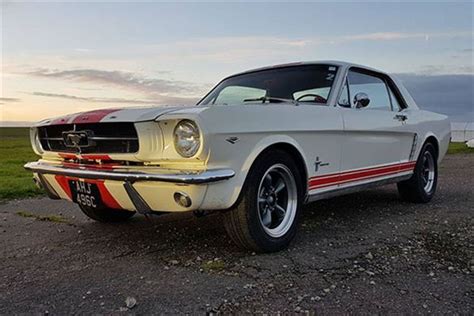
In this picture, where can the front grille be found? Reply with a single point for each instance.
(104, 138)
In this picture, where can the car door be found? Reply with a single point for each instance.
(374, 134)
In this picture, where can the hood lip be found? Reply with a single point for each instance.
(142, 114)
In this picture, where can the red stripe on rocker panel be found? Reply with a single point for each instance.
(363, 174)
(93, 116)
(105, 195)
(367, 177)
(411, 163)
(343, 177)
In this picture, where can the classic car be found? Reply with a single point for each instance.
(257, 147)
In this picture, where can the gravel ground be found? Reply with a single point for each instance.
(362, 253)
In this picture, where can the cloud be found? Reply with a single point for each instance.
(92, 99)
(128, 80)
(268, 49)
(383, 36)
(448, 94)
(168, 100)
(83, 50)
(5, 100)
(391, 36)
(445, 69)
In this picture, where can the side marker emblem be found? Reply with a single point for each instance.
(318, 163)
(232, 139)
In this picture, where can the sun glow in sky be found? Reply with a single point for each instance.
(59, 58)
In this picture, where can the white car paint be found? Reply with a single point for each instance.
(347, 145)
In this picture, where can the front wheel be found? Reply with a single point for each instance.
(421, 187)
(106, 215)
(265, 218)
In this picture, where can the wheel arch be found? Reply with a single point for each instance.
(286, 144)
(295, 155)
(431, 138)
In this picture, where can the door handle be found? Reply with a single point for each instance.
(401, 117)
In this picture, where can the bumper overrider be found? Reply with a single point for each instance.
(145, 190)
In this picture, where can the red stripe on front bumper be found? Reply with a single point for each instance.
(95, 157)
(62, 181)
(105, 195)
(67, 156)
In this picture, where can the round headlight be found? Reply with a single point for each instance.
(186, 138)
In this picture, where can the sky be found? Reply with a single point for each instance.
(63, 57)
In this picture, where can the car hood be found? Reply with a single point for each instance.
(133, 114)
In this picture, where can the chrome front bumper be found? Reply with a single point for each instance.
(127, 175)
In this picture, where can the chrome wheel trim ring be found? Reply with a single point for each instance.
(428, 171)
(277, 200)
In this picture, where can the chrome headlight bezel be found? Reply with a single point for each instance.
(187, 138)
(35, 142)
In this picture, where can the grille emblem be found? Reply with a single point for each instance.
(74, 139)
(77, 139)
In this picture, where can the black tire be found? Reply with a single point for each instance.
(244, 223)
(419, 189)
(106, 215)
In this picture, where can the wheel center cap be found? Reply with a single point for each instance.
(271, 200)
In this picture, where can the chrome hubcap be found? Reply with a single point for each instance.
(428, 171)
(277, 200)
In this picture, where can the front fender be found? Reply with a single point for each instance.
(240, 157)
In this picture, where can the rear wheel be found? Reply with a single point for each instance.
(266, 216)
(106, 215)
(421, 187)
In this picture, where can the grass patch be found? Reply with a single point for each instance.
(213, 266)
(47, 218)
(15, 151)
(459, 148)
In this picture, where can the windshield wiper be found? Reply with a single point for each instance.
(271, 99)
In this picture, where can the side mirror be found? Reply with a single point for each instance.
(361, 100)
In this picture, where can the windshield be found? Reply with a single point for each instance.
(306, 83)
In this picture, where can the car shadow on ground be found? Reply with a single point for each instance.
(184, 233)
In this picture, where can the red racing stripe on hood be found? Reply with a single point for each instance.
(93, 116)
(62, 120)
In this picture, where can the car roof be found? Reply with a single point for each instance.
(338, 63)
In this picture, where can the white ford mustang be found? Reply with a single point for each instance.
(256, 147)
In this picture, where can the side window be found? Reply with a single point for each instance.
(237, 94)
(318, 95)
(374, 87)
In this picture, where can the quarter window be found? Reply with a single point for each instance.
(374, 87)
(395, 104)
(344, 97)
